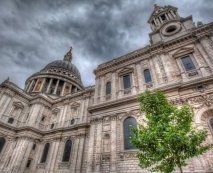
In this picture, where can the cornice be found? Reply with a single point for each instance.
(133, 99)
(151, 50)
(30, 130)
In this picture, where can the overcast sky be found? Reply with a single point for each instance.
(36, 32)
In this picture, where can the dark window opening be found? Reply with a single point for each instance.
(128, 124)
(43, 118)
(53, 85)
(11, 120)
(108, 88)
(163, 17)
(126, 81)
(47, 80)
(28, 163)
(67, 151)
(2, 143)
(171, 29)
(45, 153)
(73, 89)
(52, 125)
(211, 123)
(187, 63)
(60, 86)
(147, 76)
(72, 121)
(34, 146)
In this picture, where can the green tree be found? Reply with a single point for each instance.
(168, 139)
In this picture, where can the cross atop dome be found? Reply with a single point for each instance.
(68, 56)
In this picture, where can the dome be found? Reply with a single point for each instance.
(56, 79)
(65, 65)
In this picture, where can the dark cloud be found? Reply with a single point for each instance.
(36, 32)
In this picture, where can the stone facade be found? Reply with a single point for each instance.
(55, 107)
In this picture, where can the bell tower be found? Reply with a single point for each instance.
(166, 24)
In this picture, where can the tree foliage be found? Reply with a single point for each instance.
(168, 139)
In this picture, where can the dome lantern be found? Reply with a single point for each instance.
(68, 56)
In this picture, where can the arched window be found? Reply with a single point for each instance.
(45, 153)
(108, 88)
(10, 120)
(211, 123)
(129, 123)
(2, 143)
(147, 76)
(67, 151)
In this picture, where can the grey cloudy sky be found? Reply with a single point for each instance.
(36, 32)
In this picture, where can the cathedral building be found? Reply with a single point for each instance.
(57, 125)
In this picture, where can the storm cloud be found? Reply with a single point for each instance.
(36, 32)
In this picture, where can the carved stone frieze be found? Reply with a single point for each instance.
(128, 155)
(106, 157)
(200, 101)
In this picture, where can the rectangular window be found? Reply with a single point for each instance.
(126, 81)
(188, 63)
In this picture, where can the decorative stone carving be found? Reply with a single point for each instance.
(106, 157)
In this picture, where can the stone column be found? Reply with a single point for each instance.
(161, 21)
(140, 77)
(158, 71)
(169, 66)
(97, 85)
(81, 112)
(205, 42)
(4, 103)
(167, 17)
(7, 152)
(70, 88)
(113, 146)
(56, 87)
(75, 154)
(98, 148)
(153, 72)
(134, 82)
(102, 93)
(31, 83)
(205, 55)
(20, 155)
(80, 155)
(35, 113)
(49, 85)
(36, 84)
(63, 113)
(173, 14)
(42, 85)
(90, 149)
(62, 91)
(53, 153)
(113, 85)
(85, 109)
(37, 156)
(204, 67)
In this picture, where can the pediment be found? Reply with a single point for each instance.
(55, 111)
(125, 70)
(75, 104)
(18, 105)
(182, 52)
